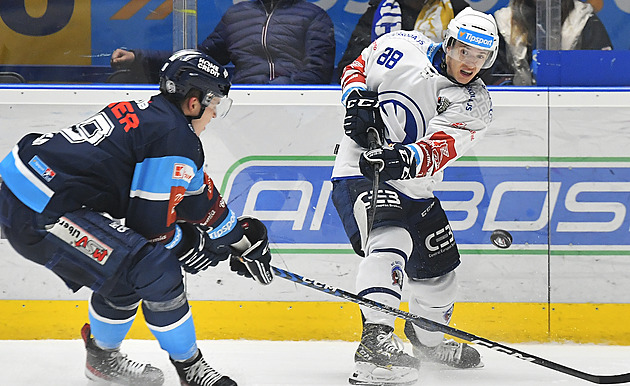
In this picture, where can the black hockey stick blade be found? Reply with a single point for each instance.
(431, 325)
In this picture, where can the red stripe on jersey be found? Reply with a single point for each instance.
(177, 195)
(218, 204)
(441, 148)
(423, 168)
(209, 184)
(354, 72)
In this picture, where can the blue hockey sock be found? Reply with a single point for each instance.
(108, 334)
(178, 339)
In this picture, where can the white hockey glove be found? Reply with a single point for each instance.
(394, 162)
(362, 114)
(196, 251)
(252, 257)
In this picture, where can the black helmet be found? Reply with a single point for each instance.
(190, 69)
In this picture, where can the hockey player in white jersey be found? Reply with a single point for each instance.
(428, 106)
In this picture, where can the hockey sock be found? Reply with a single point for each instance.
(108, 333)
(109, 322)
(178, 339)
(381, 272)
(433, 299)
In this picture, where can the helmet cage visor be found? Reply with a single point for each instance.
(221, 105)
(469, 55)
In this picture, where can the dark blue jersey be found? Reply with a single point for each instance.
(140, 161)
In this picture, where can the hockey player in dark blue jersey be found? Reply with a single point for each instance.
(141, 162)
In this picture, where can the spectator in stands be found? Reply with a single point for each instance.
(267, 41)
(427, 16)
(581, 30)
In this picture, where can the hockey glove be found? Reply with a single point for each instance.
(394, 162)
(362, 113)
(253, 257)
(196, 251)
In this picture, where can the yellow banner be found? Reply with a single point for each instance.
(45, 32)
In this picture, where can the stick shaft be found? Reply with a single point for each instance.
(431, 325)
(374, 142)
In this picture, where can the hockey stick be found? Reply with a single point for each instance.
(430, 325)
(374, 142)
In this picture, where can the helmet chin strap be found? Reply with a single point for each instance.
(201, 111)
(191, 117)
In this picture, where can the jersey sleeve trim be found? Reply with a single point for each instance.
(151, 177)
(177, 237)
(23, 183)
(225, 227)
(197, 184)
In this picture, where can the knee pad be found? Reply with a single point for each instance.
(167, 312)
(433, 299)
(115, 308)
(437, 292)
(381, 272)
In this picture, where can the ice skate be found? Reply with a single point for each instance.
(381, 361)
(113, 367)
(449, 352)
(197, 372)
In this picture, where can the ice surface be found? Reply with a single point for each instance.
(314, 363)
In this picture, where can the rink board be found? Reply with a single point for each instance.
(553, 170)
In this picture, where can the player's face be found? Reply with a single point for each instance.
(200, 124)
(221, 105)
(464, 62)
(217, 107)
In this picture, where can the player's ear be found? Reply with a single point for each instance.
(189, 105)
(193, 103)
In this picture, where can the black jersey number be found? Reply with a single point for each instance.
(93, 130)
(389, 57)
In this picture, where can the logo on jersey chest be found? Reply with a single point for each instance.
(396, 106)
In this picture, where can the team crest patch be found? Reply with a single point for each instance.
(397, 274)
(41, 168)
(442, 105)
(448, 314)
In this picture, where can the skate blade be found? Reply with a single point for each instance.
(368, 374)
(97, 380)
(441, 366)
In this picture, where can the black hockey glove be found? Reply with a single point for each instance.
(253, 257)
(362, 113)
(394, 162)
(196, 251)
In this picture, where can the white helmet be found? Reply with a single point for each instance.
(476, 29)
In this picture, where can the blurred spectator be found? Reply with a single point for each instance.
(581, 30)
(268, 41)
(382, 16)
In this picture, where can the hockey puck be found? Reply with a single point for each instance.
(501, 239)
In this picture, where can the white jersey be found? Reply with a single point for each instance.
(419, 106)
